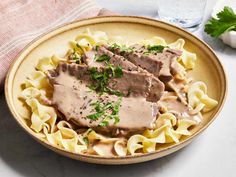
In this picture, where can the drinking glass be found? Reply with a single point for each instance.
(187, 14)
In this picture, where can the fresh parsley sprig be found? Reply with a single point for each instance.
(226, 21)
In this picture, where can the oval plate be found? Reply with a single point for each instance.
(208, 69)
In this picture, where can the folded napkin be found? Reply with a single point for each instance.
(23, 20)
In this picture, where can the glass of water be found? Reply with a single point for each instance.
(187, 14)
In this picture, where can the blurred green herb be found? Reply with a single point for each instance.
(76, 57)
(123, 48)
(101, 58)
(155, 48)
(86, 140)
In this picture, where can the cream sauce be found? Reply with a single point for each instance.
(73, 99)
(170, 103)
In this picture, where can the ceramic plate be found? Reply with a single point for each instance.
(208, 69)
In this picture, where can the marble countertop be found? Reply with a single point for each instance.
(212, 154)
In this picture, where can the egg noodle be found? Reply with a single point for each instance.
(46, 123)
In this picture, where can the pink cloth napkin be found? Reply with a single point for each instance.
(23, 20)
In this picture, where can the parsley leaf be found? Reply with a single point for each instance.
(106, 111)
(101, 78)
(126, 49)
(117, 106)
(75, 56)
(96, 47)
(123, 48)
(114, 46)
(118, 72)
(226, 22)
(95, 116)
(101, 58)
(86, 140)
(103, 123)
(155, 48)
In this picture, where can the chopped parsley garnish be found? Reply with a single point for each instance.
(94, 116)
(155, 48)
(104, 123)
(101, 58)
(86, 140)
(76, 57)
(101, 78)
(114, 46)
(127, 49)
(106, 111)
(116, 71)
(123, 48)
(96, 47)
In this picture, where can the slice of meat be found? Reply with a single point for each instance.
(162, 65)
(139, 59)
(168, 70)
(180, 88)
(175, 67)
(115, 60)
(88, 59)
(81, 72)
(118, 84)
(138, 84)
(73, 99)
(131, 83)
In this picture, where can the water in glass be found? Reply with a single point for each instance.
(184, 13)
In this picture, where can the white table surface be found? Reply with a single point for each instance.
(212, 154)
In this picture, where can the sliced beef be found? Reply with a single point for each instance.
(89, 59)
(175, 67)
(179, 87)
(81, 72)
(163, 65)
(167, 68)
(136, 83)
(131, 83)
(73, 99)
(115, 60)
(139, 59)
